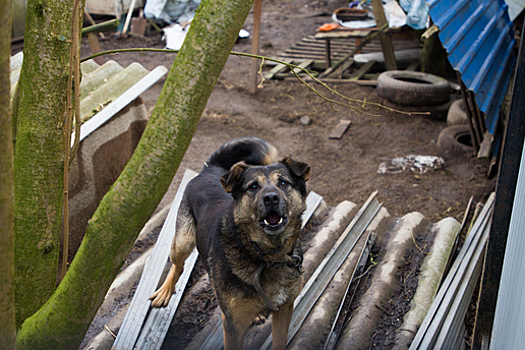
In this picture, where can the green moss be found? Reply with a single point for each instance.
(39, 154)
(143, 183)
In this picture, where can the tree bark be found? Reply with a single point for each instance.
(39, 152)
(62, 322)
(7, 194)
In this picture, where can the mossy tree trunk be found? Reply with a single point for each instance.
(39, 152)
(7, 195)
(62, 322)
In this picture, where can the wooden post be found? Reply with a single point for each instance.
(257, 5)
(95, 47)
(386, 42)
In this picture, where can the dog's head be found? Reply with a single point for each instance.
(268, 198)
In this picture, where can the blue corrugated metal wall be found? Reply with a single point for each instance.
(479, 39)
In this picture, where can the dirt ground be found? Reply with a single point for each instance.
(344, 169)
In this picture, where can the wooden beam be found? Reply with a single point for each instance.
(94, 45)
(101, 27)
(279, 68)
(340, 129)
(338, 73)
(257, 7)
(363, 70)
(386, 41)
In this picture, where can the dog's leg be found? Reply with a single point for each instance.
(280, 324)
(182, 246)
(235, 324)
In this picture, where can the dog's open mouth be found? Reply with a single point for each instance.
(273, 221)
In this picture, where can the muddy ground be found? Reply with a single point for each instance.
(344, 169)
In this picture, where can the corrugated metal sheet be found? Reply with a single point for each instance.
(508, 320)
(479, 39)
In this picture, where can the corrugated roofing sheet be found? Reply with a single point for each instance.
(479, 39)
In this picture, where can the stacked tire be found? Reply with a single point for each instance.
(422, 89)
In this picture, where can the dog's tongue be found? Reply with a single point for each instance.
(273, 218)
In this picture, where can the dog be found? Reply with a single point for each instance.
(243, 212)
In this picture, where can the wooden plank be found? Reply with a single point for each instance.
(344, 34)
(277, 69)
(340, 129)
(101, 27)
(338, 81)
(338, 73)
(153, 270)
(138, 24)
(304, 64)
(94, 45)
(301, 53)
(362, 71)
(337, 43)
(159, 319)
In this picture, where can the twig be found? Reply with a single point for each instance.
(292, 68)
(110, 331)
(73, 75)
(421, 250)
(261, 74)
(364, 273)
(406, 278)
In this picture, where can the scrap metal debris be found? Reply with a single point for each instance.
(416, 164)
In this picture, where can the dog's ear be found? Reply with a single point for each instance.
(229, 179)
(299, 169)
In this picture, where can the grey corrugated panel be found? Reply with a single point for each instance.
(140, 304)
(508, 331)
(324, 273)
(158, 320)
(479, 39)
(449, 306)
(120, 102)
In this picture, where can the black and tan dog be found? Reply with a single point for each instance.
(243, 212)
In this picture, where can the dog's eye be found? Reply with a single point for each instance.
(283, 184)
(253, 186)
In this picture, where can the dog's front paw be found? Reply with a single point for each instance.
(161, 297)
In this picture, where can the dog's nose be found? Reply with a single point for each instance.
(271, 198)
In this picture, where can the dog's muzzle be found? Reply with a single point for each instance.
(273, 217)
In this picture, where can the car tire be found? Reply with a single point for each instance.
(456, 140)
(413, 88)
(457, 114)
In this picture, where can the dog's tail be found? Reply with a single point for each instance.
(251, 150)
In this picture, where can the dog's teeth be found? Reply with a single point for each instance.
(266, 222)
(280, 221)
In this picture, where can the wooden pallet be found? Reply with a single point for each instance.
(310, 53)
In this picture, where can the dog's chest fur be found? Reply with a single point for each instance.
(233, 275)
